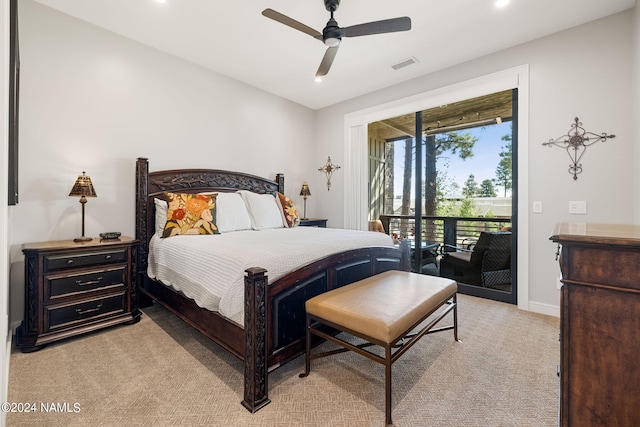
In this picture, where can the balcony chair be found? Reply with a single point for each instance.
(487, 264)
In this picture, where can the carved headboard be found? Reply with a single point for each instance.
(150, 185)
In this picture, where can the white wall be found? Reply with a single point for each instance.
(586, 72)
(94, 101)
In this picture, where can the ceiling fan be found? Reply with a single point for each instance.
(332, 34)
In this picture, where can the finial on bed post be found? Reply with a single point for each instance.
(280, 181)
(256, 388)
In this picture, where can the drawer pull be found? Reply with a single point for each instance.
(107, 257)
(90, 310)
(88, 282)
(69, 261)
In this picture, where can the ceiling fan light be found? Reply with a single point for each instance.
(332, 41)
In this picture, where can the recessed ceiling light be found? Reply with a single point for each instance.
(161, 1)
(501, 3)
(318, 79)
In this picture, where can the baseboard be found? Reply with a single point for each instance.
(541, 308)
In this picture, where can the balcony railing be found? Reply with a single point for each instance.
(448, 231)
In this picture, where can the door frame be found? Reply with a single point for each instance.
(356, 151)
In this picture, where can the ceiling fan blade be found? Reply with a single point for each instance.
(378, 27)
(327, 60)
(283, 19)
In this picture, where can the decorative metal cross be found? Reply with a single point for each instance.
(576, 143)
(328, 169)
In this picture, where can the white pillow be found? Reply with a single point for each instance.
(161, 215)
(231, 213)
(263, 210)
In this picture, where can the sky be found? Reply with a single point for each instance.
(482, 165)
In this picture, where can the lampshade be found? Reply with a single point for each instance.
(83, 187)
(304, 191)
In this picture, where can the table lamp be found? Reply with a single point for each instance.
(83, 188)
(304, 192)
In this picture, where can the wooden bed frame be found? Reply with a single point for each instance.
(274, 313)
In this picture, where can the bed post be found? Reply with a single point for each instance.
(142, 194)
(255, 332)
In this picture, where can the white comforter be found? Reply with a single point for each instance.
(210, 269)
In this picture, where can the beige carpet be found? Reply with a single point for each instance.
(160, 372)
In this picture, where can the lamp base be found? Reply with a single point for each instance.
(82, 239)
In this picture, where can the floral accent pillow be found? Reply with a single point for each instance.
(289, 211)
(190, 214)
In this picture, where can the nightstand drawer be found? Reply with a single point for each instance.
(72, 260)
(69, 315)
(60, 286)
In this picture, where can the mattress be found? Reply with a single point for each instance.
(210, 268)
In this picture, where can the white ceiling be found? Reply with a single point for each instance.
(234, 39)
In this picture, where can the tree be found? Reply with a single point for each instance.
(435, 146)
(470, 188)
(504, 171)
(487, 189)
(406, 182)
(446, 186)
(468, 208)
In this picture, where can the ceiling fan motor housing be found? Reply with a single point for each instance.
(332, 32)
(331, 5)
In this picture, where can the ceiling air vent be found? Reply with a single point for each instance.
(405, 63)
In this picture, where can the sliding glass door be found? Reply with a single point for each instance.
(446, 179)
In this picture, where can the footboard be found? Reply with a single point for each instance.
(275, 313)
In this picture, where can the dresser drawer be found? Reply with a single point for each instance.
(76, 259)
(59, 316)
(58, 286)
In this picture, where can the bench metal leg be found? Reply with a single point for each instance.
(455, 317)
(387, 380)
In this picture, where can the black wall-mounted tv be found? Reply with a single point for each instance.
(14, 100)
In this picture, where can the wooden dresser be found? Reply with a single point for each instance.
(76, 287)
(600, 324)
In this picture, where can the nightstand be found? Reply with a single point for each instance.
(76, 287)
(314, 222)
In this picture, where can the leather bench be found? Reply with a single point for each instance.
(384, 310)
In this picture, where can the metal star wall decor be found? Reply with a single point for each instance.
(576, 142)
(328, 169)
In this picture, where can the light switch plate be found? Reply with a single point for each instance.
(537, 206)
(578, 207)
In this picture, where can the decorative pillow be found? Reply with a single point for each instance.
(190, 214)
(289, 211)
(232, 214)
(263, 210)
(161, 215)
